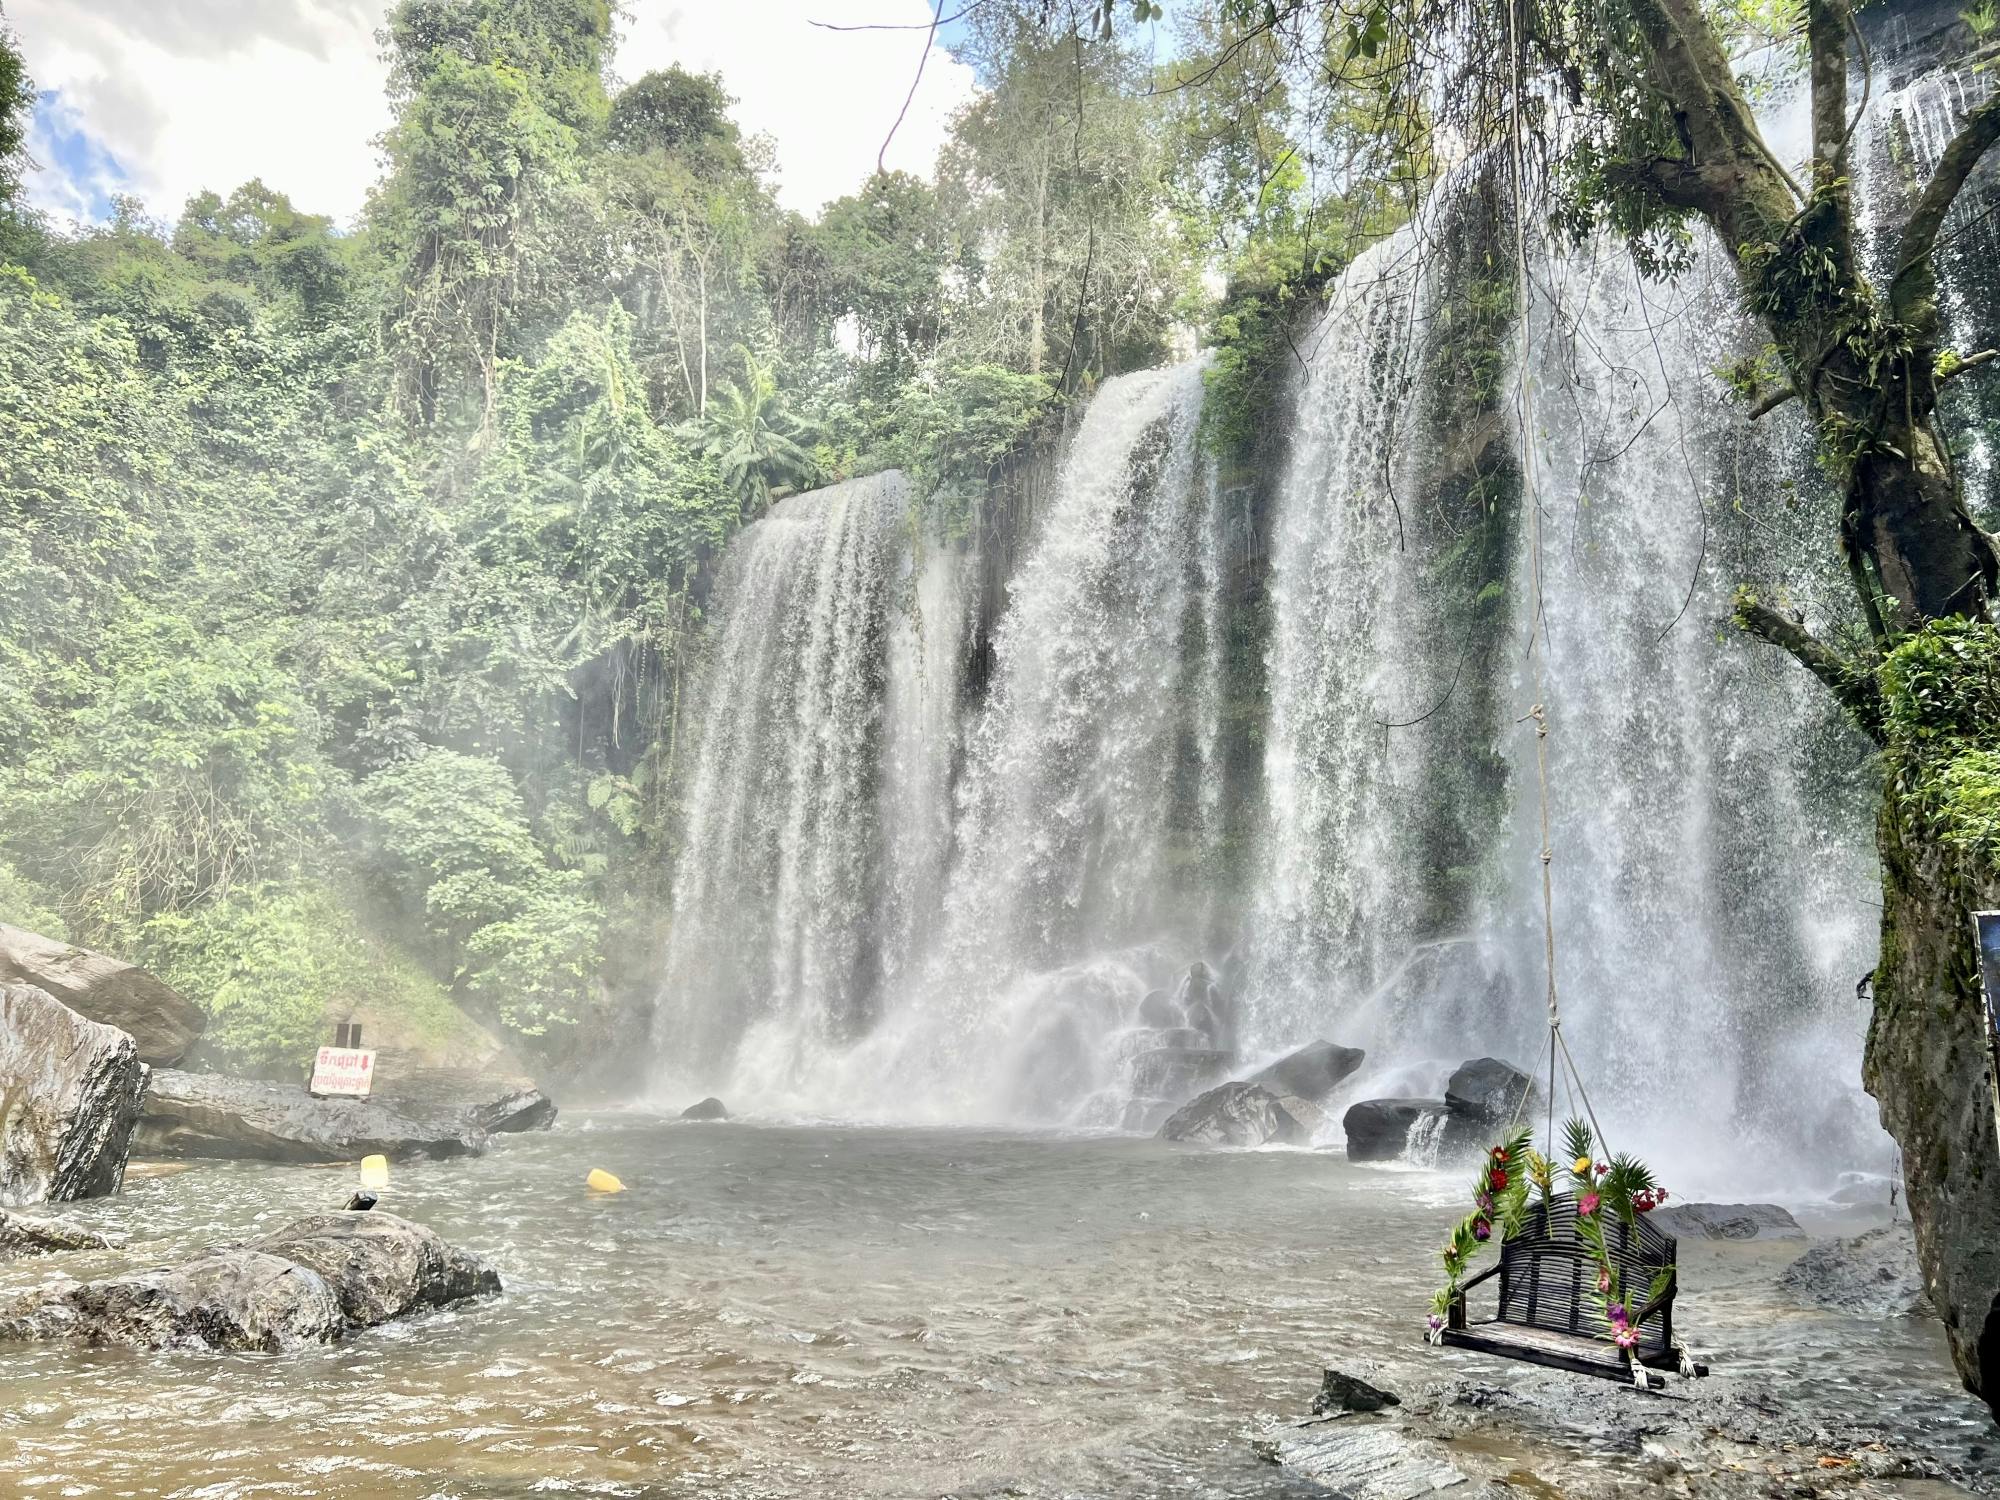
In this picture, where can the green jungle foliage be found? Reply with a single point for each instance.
(351, 577)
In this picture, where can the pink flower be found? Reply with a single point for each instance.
(1616, 1313)
(1482, 1229)
(1436, 1322)
(1587, 1204)
(1604, 1278)
(1626, 1336)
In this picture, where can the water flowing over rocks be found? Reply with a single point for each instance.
(162, 1022)
(69, 1097)
(1236, 1114)
(21, 1236)
(1380, 1129)
(1873, 1275)
(206, 1115)
(1727, 1221)
(309, 1283)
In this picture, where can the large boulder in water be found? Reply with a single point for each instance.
(22, 1236)
(207, 1115)
(710, 1108)
(465, 1099)
(1874, 1275)
(69, 1094)
(1311, 1073)
(1236, 1114)
(1487, 1092)
(1379, 1129)
(162, 1022)
(309, 1283)
(1727, 1221)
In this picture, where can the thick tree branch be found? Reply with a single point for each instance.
(1851, 683)
(1827, 27)
(1913, 248)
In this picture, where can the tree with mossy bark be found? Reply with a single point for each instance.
(1642, 125)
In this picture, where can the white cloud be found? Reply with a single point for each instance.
(193, 94)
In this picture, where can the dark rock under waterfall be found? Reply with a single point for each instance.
(710, 1108)
(1489, 1092)
(1311, 1073)
(1236, 1114)
(69, 1095)
(1380, 1129)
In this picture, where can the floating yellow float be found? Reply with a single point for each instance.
(374, 1172)
(601, 1181)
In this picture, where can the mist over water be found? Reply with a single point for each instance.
(903, 897)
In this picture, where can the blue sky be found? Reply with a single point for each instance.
(164, 98)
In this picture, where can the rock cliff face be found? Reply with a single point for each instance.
(69, 1097)
(161, 1021)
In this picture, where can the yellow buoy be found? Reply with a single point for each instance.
(601, 1181)
(374, 1172)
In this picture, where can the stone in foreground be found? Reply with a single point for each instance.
(22, 1236)
(162, 1022)
(1362, 1459)
(454, 1100)
(69, 1094)
(207, 1115)
(1874, 1275)
(1311, 1073)
(1727, 1221)
(710, 1108)
(310, 1283)
(1236, 1114)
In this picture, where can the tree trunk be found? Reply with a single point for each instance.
(1926, 1064)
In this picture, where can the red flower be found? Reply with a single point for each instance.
(1498, 1180)
(1499, 1153)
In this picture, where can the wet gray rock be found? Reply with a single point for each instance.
(1340, 1391)
(1727, 1221)
(1158, 1011)
(21, 1236)
(69, 1094)
(1874, 1275)
(1311, 1073)
(1235, 1114)
(162, 1022)
(310, 1283)
(710, 1108)
(454, 1100)
(1177, 1073)
(1379, 1129)
(380, 1266)
(1362, 1459)
(207, 1115)
(1489, 1092)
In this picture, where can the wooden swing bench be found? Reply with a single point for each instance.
(1547, 1314)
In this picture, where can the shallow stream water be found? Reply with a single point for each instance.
(808, 1311)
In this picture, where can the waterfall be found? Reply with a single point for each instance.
(791, 876)
(1084, 840)
(1713, 873)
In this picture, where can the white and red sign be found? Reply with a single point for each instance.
(343, 1070)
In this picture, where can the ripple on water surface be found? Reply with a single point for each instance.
(827, 1312)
